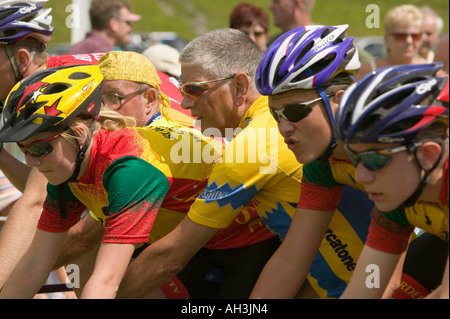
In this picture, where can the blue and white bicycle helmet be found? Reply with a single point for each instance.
(20, 19)
(392, 104)
(395, 104)
(308, 57)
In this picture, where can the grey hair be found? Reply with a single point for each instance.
(223, 52)
(439, 21)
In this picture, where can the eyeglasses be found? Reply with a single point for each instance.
(193, 90)
(39, 148)
(376, 159)
(401, 36)
(294, 112)
(114, 100)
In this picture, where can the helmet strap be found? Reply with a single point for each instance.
(80, 157)
(426, 177)
(19, 76)
(329, 151)
(14, 65)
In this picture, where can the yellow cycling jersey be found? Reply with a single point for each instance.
(257, 173)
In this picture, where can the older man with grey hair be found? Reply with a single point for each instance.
(256, 184)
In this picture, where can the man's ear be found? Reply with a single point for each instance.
(114, 24)
(151, 97)
(242, 84)
(23, 58)
(428, 153)
(336, 98)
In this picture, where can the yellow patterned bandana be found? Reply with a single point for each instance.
(132, 66)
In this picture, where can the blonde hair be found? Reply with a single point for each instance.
(108, 120)
(402, 16)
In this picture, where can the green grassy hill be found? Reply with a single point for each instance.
(189, 18)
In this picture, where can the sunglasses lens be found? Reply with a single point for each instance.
(296, 112)
(374, 161)
(416, 37)
(193, 90)
(38, 149)
(275, 115)
(403, 36)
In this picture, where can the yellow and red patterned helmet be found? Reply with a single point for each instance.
(49, 100)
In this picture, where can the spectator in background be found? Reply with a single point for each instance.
(253, 21)
(111, 27)
(432, 28)
(290, 14)
(403, 28)
(442, 53)
(165, 59)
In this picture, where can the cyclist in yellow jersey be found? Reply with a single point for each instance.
(394, 123)
(257, 181)
(130, 178)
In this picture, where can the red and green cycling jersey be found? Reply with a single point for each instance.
(390, 231)
(139, 184)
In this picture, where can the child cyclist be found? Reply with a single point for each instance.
(128, 177)
(394, 123)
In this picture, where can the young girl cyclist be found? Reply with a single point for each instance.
(128, 177)
(394, 123)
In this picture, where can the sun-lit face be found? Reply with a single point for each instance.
(310, 137)
(123, 32)
(403, 44)
(392, 185)
(131, 99)
(257, 33)
(58, 163)
(215, 108)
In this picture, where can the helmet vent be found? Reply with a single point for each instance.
(56, 88)
(323, 63)
(305, 50)
(28, 112)
(325, 32)
(79, 76)
(277, 76)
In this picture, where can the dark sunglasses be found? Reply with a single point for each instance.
(375, 159)
(38, 148)
(114, 100)
(400, 36)
(294, 112)
(193, 90)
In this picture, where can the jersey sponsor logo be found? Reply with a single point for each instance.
(340, 249)
(278, 221)
(224, 194)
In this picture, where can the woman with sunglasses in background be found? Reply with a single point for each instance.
(127, 177)
(403, 27)
(394, 124)
(304, 73)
